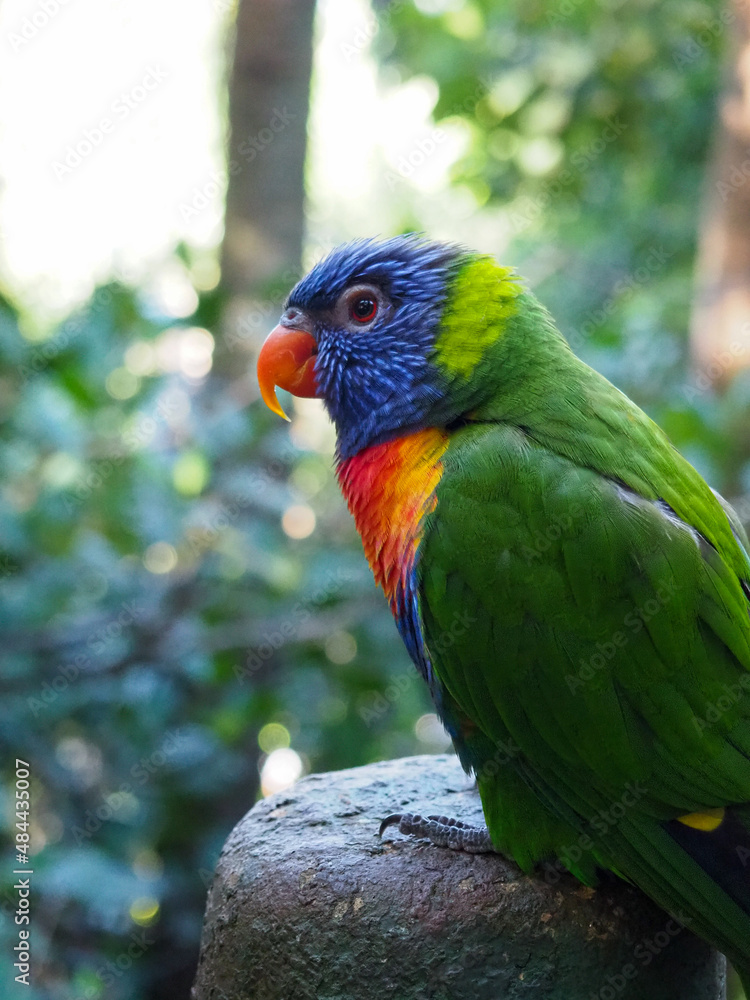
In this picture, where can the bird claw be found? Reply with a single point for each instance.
(442, 832)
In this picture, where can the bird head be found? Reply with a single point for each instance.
(392, 335)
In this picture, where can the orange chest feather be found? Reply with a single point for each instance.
(389, 488)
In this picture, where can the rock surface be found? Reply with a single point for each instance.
(308, 902)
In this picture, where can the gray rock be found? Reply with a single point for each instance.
(308, 902)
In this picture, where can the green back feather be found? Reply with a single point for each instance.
(608, 625)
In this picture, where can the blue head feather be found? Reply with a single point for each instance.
(378, 381)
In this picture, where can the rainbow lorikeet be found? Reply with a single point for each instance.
(574, 594)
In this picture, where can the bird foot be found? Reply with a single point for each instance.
(442, 832)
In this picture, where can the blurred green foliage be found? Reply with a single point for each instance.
(157, 616)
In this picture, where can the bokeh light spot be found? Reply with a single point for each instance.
(190, 473)
(147, 864)
(430, 731)
(122, 384)
(82, 758)
(281, 769)
(144, 910)
(61, 469)
(161, 557)
(188, 350)
(341, 647)
(140, 358)
(539, 156)
(273, 736)
(298, 521)
(466, 23)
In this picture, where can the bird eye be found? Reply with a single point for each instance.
(363, 308)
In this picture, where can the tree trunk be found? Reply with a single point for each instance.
(309, 903)
(268, 105)
(720, 327)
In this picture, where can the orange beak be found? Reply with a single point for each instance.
(287, 360)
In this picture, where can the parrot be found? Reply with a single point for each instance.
(574, 594)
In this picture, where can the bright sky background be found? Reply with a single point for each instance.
(78, 202)
(110, 123)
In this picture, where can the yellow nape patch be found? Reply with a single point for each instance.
(483, 298)
(708, 820)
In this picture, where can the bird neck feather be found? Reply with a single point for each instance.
(389, 488)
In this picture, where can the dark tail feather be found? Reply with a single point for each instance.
(722, 853)
(703, 883)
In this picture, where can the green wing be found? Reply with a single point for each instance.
(602, 686)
